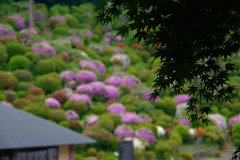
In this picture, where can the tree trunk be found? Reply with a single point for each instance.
(31, 22)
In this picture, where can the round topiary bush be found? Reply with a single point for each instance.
(48, 83)
(107, 124)
(18, 62)
(75, 125)
(60, 96)
(60, 31)
(143, 107)
(99, 109)
(166, 104)
(23, 75)
(57, 115)
(35, 91)
(33, 57)
(22, 102)
(3, 55)
(37, 109)
(186, 156)
(162, 150)
(59, 64)
(7, 80)
(15, 49)
(78, 106)
(45, 66)
(107, 141)
(71, 21)
(24, 86)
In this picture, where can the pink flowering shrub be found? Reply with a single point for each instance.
(53, 103)
(10, 95)
(185, 122)
(112, 92)
(120, 79)
(7, 104)
(39, 16)
(88, 33)
(91, 120)
(234, 120)
(60, 18)
(146, 96)
(82, 97)
(131, 118)
(67, 75)
(44, 49)
(182, 99)
(19, 20)
(116, 108)
(98, 89)
(84, 89)
(71, 115)
(85, 76)
(6, 31)
(146, 134)
(219, 120)
(93, 65)
(26, 34)
(123, 132)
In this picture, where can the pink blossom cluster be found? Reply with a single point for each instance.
(145, 134)
(68, 92)
(130, 118)
(85, 76)
(94, 65)
(185, 122)
(19, 20)
(98, 49)
(82, 97)
(60, 18)
(116, 108)
(44, 49)
(120, 79)
(147, 94)
(92, 120)
(39, 16)
(25, 34)
(107, 28)
(99, 89)
(234, 120)
(7, 104)
(123, 58)
(71, 115)
(146, 118)
(182, 99)
(67, 75)
(88, 33)
(123, 132)
(219, 120)
(6, 31)
(118, 38)
(53, 103)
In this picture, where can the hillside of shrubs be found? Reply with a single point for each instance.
(80, 75)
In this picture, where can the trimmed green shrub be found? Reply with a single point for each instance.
(96, 38)
(57, 115)
(92, 152)
(21, 94)
(99, 109)
(115, 117)
(22, 102)
(19, 62)
(186, 156)
(37, 99)
(150, 155)
(23, 75)
(71, 21)
(78, 157)
(143, 107)
(214, 135)
(236, 142)
(60, 31)
(125, 89)
(38, 109)
(138, 154)
(45, 66)
(183, 131)
(108, 141)
(174, 135)
(7, 80)
(35, 91)
(60, 96)
(15, 49)
(24, 86)
(32, 56)
(236, 131)
(64, 124)
(3, 55)
(75, 125)
(143, 75)
(166, 104)
(78, 106)
(162, 150)
(107, 52)
(60, 64)
(54, 22)
(6, 40)
(48, 83)
(107, 124)
(129, 99)
(109, 158)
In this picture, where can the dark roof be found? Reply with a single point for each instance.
(19, 129)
